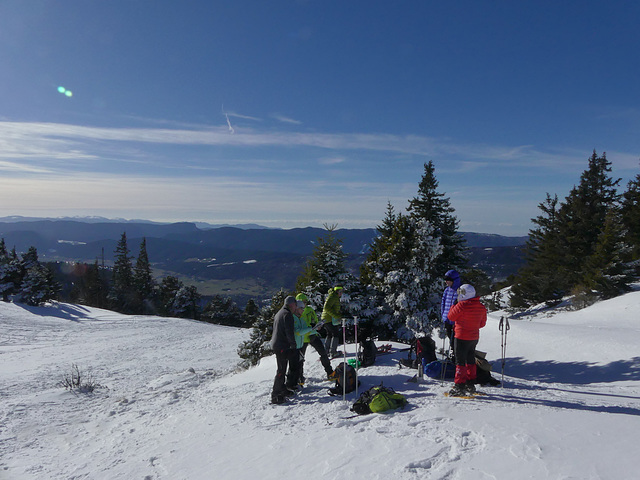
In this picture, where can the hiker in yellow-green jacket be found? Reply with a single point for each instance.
(313, 337)
(332, 319)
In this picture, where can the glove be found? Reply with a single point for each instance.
(442, 333)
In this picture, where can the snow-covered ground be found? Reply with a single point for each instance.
(173, 407)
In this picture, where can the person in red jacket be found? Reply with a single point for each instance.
(469, 316)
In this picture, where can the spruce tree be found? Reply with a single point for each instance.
(143, 282)
(408, 280)
(435, 208)
(630, 212)
(324, 269)
(122, 294)
(543, 277)
(95, 287)
(250, 313)
(562, 249)
(169, 287)
(606, 271)
(10, 273)
(222, 310)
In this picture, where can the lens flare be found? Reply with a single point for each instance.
(64, 91)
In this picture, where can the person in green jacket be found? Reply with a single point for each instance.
(312, 338)
(332, 319)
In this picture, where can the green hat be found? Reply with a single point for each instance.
(302, 297)
(337, 288)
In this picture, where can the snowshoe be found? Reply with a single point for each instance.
(458, 390)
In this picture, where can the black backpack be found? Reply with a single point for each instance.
(350, 384)
(367, 356)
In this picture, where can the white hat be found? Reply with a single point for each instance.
(465, 292)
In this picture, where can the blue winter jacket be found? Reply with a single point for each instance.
(450, 295)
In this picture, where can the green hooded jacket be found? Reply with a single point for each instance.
(331, 311)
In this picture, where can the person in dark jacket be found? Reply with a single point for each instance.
(283, 343)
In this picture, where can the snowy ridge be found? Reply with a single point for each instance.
(173, 406)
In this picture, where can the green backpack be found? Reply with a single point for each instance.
(378, 399)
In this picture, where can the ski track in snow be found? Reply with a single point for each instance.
(171, 407)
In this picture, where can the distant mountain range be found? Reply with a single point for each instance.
(237, 260)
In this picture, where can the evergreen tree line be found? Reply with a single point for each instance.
(587, 246)
(25, 277)
(128, 288)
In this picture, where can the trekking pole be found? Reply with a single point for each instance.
(355, 327)
(344, 369)
(504, 328)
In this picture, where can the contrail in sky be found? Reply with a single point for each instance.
(231, 130)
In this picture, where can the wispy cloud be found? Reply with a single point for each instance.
(331, 160)
(285, 119)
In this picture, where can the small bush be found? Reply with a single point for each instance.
(582, 297)
(77, 381)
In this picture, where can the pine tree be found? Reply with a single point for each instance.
(407, 278)
(143, 282)
(542, 279)
(324, 270)
(37, 283)
(567, 237)
(122, 294)
(169, 287)
(432, 206)
(630, 212)
(10, 273)
(222, 311)
(186, 303)
(95, 287)
(250, 313)
(606, 271)
(584, 213)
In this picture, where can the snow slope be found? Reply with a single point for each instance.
(173, 407)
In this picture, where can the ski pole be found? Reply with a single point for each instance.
(344, 365)
(504, 328)
(355, 327)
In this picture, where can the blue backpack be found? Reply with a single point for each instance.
(434, 370)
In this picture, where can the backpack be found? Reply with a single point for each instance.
(378, 399)
(426, 349)
(367, 356)
(351, 376)
(434, 369)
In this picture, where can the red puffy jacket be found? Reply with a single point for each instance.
(469, 317)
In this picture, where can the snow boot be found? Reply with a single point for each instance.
(458, 390)
(278, 400)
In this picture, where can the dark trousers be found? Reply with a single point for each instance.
(316, 342)
(333, 338)
(465, 361)
(465, 351)
(449, 329)
(286, 358)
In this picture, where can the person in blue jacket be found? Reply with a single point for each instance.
(449, 298)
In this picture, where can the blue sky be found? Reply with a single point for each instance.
(301, 113)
